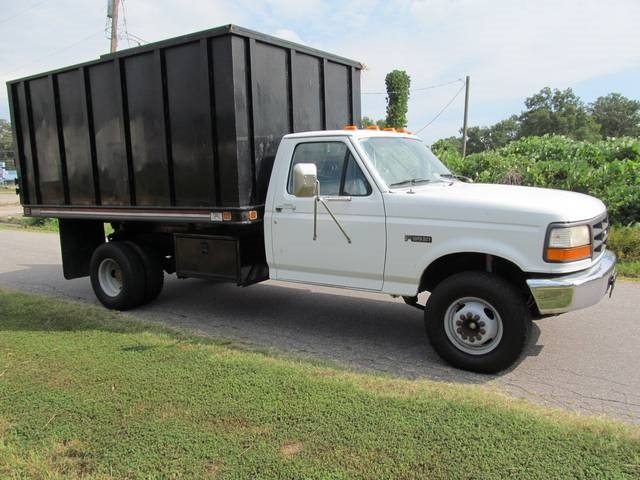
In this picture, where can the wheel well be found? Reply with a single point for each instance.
(459, 262)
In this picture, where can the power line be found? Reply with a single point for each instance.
(128, 35)
(55, 52)
(429, 87)
(124, 20)
(24, 10)
(443, 108)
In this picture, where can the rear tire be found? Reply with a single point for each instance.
(117, 276)
(154, 272)
(477, 321)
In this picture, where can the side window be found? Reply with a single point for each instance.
(338, 172)
(329, 160)
(355, 183)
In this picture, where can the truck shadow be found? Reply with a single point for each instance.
(365, 332)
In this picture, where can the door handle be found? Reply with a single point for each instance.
(337, 199)
(287, 206)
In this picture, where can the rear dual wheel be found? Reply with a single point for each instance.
(125, 275)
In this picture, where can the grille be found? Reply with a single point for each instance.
(599, 235)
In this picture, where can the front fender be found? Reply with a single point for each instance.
(407, 259)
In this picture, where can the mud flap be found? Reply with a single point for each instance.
(78, 241)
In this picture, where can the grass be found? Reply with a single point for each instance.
(629, 269)
(44, 225)
(86, 393)
(625, 242)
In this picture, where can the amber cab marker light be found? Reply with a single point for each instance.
(350, 127)
(389, 129)
(226, 216)
(569, 254)
(373, 127)
(253, 215)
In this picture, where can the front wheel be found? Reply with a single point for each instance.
(477, 321)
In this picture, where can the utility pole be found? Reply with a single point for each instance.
(112, 13)
(466, 115)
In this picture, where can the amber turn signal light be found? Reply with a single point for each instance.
(568, 254)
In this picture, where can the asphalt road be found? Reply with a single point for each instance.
(584, 361)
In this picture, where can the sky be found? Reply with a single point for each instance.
(510, 48)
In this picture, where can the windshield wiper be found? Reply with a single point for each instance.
(410, 181)
(460, 178)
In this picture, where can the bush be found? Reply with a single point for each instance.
(40, 223)
(625, 242)
(608, 169)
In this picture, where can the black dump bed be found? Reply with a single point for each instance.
(173, 130)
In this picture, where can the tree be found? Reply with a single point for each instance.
(366, 122)
(6, 145)
(398, 83)
(558, 112)
(447, 145)
(480, 139)
(617, 115)
(504, 132)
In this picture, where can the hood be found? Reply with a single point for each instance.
(501, 203)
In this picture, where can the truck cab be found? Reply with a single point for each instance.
(385, 215)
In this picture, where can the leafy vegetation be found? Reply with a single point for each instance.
(625, 241)
(617, 115)
(397, 82)
(368, 122)
(608, 169)
(37, 223)
(556, 112)
(87, 393)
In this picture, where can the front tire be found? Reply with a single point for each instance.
(117, 276)
(477, 321)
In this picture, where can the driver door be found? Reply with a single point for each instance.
(356, 204)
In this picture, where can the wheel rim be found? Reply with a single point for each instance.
(473, 325)
(110, 277)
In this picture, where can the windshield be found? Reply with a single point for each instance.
(403, 161)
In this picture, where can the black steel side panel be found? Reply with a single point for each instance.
(190, 124)
(223, 86)
(76, 138)
(46, 135)
(144, 96)
(21, 125)
(111, 157)
(271, 108)
(244, 159)
(307, 93)
(337, 97)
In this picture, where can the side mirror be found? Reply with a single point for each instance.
(305, 178)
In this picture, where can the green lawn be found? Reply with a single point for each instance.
(86, 393)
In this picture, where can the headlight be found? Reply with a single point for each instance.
(568, 244)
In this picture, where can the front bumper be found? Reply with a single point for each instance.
(577, 290)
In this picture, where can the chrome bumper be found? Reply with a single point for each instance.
(577, 290)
